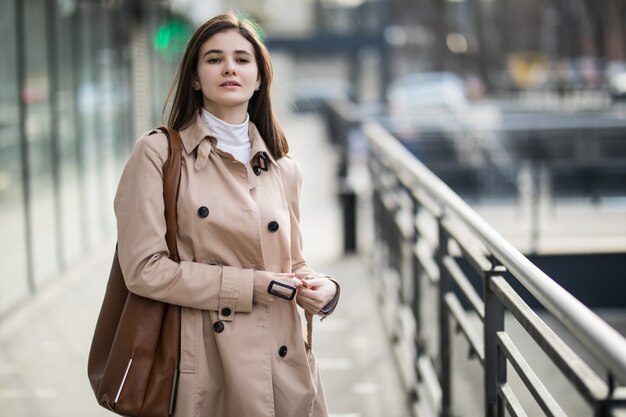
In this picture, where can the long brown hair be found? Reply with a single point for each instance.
(188, 102)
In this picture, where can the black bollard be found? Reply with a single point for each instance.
(348, 209)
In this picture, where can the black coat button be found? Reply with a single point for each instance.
(226, 311)
(282, 352)
(257, 170)
(203, 212)
(273, 226)
(218, 326)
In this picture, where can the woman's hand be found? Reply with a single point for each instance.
(315, 294)
(262, 281)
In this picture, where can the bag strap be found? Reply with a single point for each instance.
(171, 185)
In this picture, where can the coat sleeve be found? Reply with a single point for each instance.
(142, 249)
(298, 262)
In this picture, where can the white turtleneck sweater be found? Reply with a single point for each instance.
(233, 139)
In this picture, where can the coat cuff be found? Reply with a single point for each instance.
(235, 293)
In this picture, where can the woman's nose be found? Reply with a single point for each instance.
(229, 67)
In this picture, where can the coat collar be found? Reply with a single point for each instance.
(198, 135)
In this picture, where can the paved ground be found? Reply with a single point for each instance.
(44, 344)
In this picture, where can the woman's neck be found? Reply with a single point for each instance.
(232, 115)
(230, 138)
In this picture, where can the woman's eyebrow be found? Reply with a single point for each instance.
(213, 51)
(219, 51)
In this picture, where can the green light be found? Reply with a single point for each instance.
(171, 38)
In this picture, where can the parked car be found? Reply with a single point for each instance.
(616, 80)
(422, 91)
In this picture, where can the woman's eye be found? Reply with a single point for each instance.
(213, 60)
(242, 60)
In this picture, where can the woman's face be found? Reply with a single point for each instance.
(227, 74)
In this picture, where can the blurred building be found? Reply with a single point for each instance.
(79, 80)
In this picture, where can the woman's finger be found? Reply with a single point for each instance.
(310, 305)
(309, 294)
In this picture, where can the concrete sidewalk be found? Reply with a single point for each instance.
(44, 345)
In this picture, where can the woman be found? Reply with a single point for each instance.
(242, 347)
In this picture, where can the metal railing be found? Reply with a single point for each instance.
(428, 243)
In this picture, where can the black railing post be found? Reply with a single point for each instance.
(406, 248)
(495, 360)
(445, 285)
(416, 272)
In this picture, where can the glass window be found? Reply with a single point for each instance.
(111, 96)
(66, 108)
(40, 163)
(88, 97)
(122, 132)
(13, 257)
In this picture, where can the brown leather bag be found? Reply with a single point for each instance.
(135, 352)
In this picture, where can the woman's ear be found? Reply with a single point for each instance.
(196, 83)
(258, 85)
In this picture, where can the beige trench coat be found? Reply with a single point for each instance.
(239, 358)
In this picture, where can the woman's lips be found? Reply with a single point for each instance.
(230, 84)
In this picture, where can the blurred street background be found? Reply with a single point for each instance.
(519, 106)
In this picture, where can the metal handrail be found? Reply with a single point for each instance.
(604, 342)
